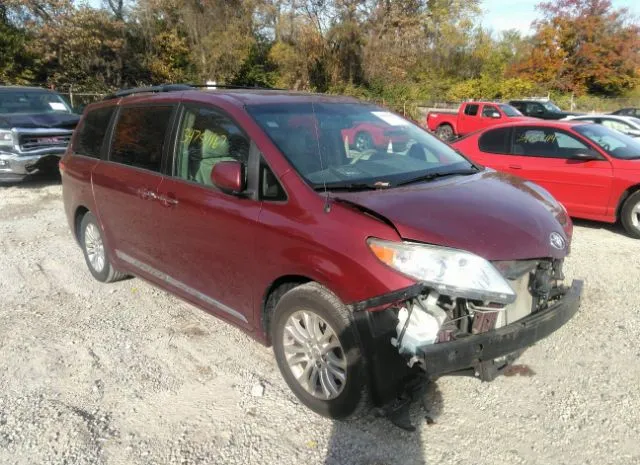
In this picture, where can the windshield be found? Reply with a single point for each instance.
(25, 101)
(509, 110)
(616, 144)
(357, 145)
(551, 107)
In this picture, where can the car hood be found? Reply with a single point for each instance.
(39, 120)
(494, 215)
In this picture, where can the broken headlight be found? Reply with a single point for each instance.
(451, 272)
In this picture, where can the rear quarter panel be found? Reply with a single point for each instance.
(76, 186)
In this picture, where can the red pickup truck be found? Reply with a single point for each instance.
(470, 117)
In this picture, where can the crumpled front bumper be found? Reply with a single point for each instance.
(14, 167)
(389, 371)
(448, 357)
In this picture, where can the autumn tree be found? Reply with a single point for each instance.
(16, 63)
(584, 46)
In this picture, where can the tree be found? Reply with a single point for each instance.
(584, 46)
(16, 64)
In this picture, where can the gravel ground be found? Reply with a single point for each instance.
(127, 374)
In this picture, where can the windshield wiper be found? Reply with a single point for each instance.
(442, 174)
(350, 186)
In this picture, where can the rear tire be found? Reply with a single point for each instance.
(630, 215)
(445, 132)
(308, 321)
(95, 253)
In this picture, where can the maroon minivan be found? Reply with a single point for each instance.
(370, 271)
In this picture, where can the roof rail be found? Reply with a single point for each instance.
(178, 87)
(152, 89)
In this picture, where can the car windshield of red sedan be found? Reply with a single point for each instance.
(357, 146)
(616, 144)
(509, 110)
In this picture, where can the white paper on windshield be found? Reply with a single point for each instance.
(57, 106)
(390, 118)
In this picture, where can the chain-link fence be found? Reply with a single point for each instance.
(79, 100)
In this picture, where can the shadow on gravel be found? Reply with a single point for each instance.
(376, 441)
(36, 181)
(615, 228)
(372, 439)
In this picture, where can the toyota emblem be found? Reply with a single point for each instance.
(557, 241)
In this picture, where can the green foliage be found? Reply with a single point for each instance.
(16, 64)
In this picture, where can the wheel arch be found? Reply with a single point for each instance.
(77, 219)
(272, 295)
(449, 125)
(625, 195)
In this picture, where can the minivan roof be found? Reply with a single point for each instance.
(238, 97)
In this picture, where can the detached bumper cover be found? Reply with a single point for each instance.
(447, 357)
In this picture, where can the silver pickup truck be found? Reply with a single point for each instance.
(35, 128)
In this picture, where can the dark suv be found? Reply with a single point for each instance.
(543, 109)
(369, 271)
(35, 128)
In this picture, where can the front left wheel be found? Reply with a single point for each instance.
(318, 352)
(630, 215)
(95, 254)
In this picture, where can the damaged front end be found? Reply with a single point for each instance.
(423, 332)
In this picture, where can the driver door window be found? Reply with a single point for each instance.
(546, 143)
(207, 137)
(534, 109)
(488, 111)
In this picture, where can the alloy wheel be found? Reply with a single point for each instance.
(94, 247)
(314, 355)
(635, 215)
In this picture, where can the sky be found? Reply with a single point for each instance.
(501, 15)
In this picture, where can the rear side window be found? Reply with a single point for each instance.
(139, 136)
(495, 141)
(471, 110)
(92, 132)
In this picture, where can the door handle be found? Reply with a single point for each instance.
(515, 167)
(167, 201)
(146, 194)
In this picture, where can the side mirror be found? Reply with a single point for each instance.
(495, 115)
(228, 176)
(586, 156)
(632, 132)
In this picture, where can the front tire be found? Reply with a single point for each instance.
(630, 215)
(318, 352)
(95, 253)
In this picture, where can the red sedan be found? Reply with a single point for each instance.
(592, 170)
